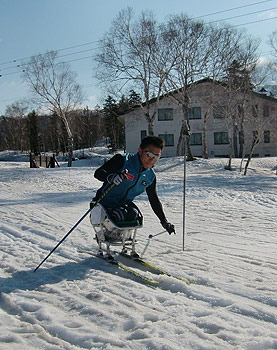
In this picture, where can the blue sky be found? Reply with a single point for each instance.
(30, 27)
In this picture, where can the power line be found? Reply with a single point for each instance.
(58, 50)
(78, 59)
(68, 54)
(92, 56)
(69, 61)
(97, 41)
(258, 21)
(73, 47)
(234, 8)
(94, 48)
(247, 14)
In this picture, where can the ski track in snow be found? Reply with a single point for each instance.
(78, 302)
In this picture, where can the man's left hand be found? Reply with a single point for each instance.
(169, 227)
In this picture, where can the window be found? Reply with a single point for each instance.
(241, 137)
(168, 139)
(218, 112)
(143, 134)
(266, 110)
(267, 136)
(240, 110)
(255, 110)
(195, 113)
(256, 137)
(165, 114)
(221, 138)
(196, 139)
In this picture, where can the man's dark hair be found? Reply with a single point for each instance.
(153, 141)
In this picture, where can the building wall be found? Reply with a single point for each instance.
(136, 126)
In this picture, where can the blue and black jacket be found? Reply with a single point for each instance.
(139, 180)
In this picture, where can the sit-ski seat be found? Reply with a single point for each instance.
(114, 233)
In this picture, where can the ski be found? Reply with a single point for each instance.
(154, 269)
(121, 266)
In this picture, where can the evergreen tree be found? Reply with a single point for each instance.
(111, 112)
(33, 132)
(134, 99)
(238, 77)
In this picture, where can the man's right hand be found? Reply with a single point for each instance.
(116, 179)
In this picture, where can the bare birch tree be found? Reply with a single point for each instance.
(189, 41)
(273, 42)
(225, 43)
(133, 55)
(203, 51)
(55, 88)
(260, 124)
(269, 68)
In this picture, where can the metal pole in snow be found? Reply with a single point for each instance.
(184, 195)
(186, 133)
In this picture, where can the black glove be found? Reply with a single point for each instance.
(168, 226)
(116, 178)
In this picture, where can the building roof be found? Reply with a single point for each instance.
(260, 94)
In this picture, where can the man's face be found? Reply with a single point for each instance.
(149, 156)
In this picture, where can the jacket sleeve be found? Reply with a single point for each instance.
(112, 166)
(155, 202)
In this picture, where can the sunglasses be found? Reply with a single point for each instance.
(152, 155)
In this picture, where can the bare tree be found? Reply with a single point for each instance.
(233, 100)
(228, 46)
(167, 58)
(273, 42)
(238, 91)
(189, 47)
(135, 54)
(260, 120)
(203, 51)
(55, 87)
(271, 65)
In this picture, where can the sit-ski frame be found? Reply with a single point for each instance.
(110, 233)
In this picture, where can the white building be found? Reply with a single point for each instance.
(214, 114)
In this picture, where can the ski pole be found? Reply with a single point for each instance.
(157, 234)
(77, 223)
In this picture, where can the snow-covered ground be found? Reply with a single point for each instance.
(78, 302)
